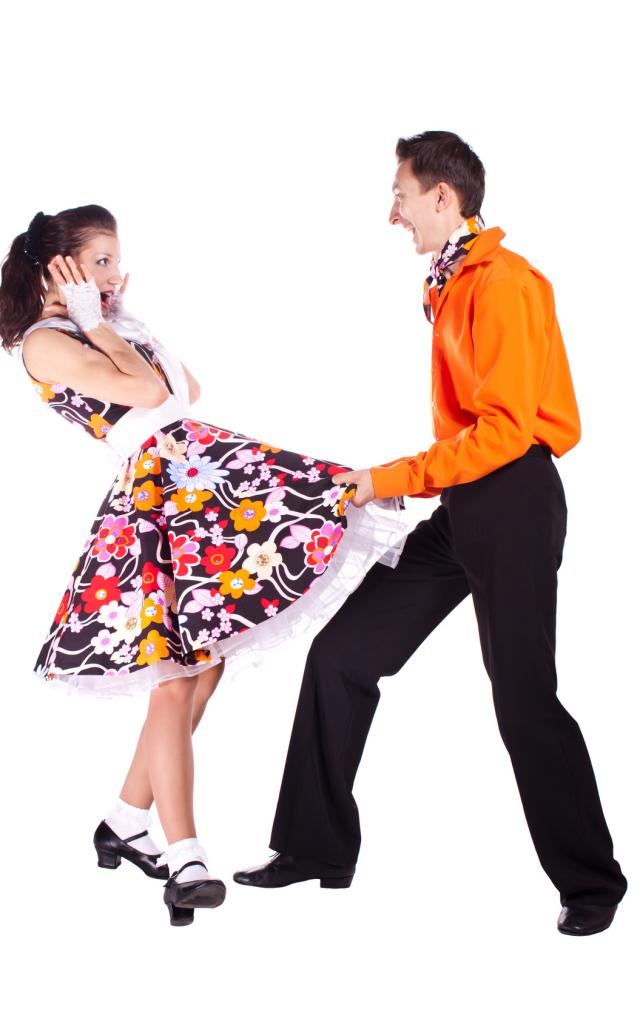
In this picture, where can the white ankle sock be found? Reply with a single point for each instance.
(180, 853)
(127, 820)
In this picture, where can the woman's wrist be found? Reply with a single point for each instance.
(104, 334)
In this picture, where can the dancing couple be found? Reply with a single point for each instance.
(211, 545)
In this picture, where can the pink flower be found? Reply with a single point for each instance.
(321, 546)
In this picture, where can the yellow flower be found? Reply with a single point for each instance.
(151, 612)
(248, 515)
(124, 481)
(186, 500)
(147, 496)
(169, 448)
(235, 583)
(152, 648)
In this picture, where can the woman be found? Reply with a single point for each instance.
(209, 544)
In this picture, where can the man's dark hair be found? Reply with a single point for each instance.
(444, 156)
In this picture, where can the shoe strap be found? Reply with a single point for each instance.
(130, 839)
(190, 863)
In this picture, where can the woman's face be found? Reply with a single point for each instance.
(101, 257)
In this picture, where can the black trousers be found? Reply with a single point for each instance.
(499, 538)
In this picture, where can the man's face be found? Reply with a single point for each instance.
(415, 210)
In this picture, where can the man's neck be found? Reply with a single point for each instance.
(455, 224)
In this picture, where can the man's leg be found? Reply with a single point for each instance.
(509, 530)
(373, 634)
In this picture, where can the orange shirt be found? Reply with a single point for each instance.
(500, 377)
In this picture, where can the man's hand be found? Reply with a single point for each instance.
(364, 485)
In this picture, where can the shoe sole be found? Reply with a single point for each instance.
(209, 894)
(586, 931)
(325, 883)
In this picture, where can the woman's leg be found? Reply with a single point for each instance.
(169, 756)
(137, 789)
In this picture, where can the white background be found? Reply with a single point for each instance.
(247, 151)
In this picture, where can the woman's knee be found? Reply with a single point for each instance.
(175, 691)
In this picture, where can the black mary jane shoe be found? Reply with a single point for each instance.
(182, 898)
(585, 919)
(111, 849)
(284, 869)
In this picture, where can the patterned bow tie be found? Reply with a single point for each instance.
(445, 263)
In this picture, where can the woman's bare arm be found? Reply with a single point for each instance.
(194, 387)
(117, 373)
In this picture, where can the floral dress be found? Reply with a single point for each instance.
(208, 544)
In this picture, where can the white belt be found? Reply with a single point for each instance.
(135, 426)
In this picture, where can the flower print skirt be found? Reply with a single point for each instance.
(209, 545)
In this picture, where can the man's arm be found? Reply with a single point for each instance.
(511, 344)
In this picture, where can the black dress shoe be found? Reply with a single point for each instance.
(283, 869)
(183, 897)
(111, 848)
(585, 919)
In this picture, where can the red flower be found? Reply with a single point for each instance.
(149, 577)
(101, 590)
(63, 609)
(184, 553)
(217, 559)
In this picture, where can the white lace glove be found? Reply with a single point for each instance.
(83, 304)
(116, 310)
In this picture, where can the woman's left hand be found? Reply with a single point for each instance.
(79, 290)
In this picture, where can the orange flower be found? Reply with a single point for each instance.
(187, 500)
(147, 496)
(99, 425)
(347, 496)
(147, 465)
(248, 515)
(151, 612)
(268, 448)
(43, 389)
(152, 648)
(235, 583)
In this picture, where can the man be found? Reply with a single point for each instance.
(502, 404)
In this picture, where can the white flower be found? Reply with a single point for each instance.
(274, 511)
(127, 626)
(104, 642)
(109, 613)
(331, 496)
(262, 559)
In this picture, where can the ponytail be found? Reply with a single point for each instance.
(22, 290)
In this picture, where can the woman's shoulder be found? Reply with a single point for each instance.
(40, 341)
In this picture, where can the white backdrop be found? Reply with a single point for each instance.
(247, 152)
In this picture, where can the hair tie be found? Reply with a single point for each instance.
(32, 242)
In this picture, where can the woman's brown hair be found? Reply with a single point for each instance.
(23, 284)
